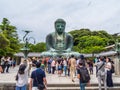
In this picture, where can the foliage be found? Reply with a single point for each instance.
(86, 41)
(76, 48)
(4, 42)
(10, 34)
(79, 33)
(39, 47)
(91, 44)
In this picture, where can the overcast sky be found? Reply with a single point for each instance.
(39, 15)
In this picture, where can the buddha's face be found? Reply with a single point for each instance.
(60, 27)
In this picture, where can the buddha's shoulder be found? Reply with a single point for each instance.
(51, 34)
(68, 34)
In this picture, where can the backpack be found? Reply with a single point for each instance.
(112, 68)
(84, 75)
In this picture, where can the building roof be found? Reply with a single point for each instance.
(31, 54)
(34, 54)
(110, 46)
(108, 53)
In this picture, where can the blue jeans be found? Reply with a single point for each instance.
(65, 69)
(49, 68)
(82, 86)
(21, 88)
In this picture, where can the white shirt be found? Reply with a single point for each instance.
(65, 63)
(108, 64)
(23, 78)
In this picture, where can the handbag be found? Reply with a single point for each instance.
(40, 86)
(16, 77)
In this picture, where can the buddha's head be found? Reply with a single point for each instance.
(60, 26)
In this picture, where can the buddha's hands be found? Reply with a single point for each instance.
(68, 50)
(52, 49)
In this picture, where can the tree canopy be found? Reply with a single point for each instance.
(87, 41)
(39, 47)
(9, 42)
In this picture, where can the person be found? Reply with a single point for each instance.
(49, 65)
(34, 61)
(72, 63)
(109, 73)
(14, 63)
(81, 75)
(3, 65)
(7, 64)
(59, 42)
(101, 74)
(82, 59)
(53, 65)
(96, 60)
(59, 62)
(38, 77)
(30, 66)
(22, 76)
(43, 64)
(1, 70)
(68, 66)
(65, 66)
(90, 63)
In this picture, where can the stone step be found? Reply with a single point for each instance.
(78, 88)
(58, 87)
(75, 85)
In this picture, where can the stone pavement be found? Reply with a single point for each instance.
(51, 79)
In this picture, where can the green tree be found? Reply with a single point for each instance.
(86, 41)
(79, 33)
(10, 33)
(39, 47)
(4, 42)
(92, 44)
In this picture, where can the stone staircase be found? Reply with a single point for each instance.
(76, 87)
(11, 86)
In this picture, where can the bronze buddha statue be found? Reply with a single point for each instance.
(59, 42)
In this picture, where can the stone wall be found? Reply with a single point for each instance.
(7, 86)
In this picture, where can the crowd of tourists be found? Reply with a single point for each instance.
(6, 63)
(36, 69)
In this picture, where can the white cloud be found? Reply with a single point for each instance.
(39, 15)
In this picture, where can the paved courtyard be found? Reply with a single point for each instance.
(51, 78)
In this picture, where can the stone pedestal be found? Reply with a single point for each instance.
(117, 66)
